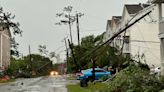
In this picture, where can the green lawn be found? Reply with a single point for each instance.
(5, 81)
(91, 87)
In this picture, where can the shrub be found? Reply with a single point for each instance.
(104, 78)
(134, 79)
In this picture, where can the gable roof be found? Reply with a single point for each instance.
(109, 23)
(134, 8)
(3, 27)
(116, 19)
(157, 1)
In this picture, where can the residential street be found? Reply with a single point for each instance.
(82, 46)
(41, 84)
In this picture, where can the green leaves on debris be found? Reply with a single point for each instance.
(134, 79)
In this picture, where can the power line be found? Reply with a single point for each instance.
(61, 51)
(144, 47)
(146, 43)
(59, 48)
(142, 41)
(116, 34)
(85, 30)
(148, 50)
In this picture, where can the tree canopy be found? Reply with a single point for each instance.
(104, 56)
(7, 22)
(40, 65)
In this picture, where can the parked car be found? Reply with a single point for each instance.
(87, 74)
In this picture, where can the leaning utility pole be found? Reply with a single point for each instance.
(71, 47)
(69, 19)
(116, 34)
(70, 30)
(77, 24)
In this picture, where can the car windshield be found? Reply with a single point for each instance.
(84, 71)
(96, 70)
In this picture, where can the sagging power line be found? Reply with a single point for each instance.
(116, 34)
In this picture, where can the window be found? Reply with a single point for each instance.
(126, 39)
(99, 71)
(126, 43)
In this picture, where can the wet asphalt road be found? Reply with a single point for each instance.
(41, 84)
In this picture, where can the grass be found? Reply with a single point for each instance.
(91, 87)
(71, 77)
(5, 81)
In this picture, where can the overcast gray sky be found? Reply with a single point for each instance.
(38, 17)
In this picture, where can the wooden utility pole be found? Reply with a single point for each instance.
(93, 69)
(70, 45)
(66, 52)
(70, 30)
(30, 59)
(66, 48)
(116, 34)
(77, 24)
(69, 19)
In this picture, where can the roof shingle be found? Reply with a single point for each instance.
(134, 8)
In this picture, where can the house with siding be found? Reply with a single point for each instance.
(111, 28)
(141, 39)
(108, 32)
(160, 15)
(5, 46)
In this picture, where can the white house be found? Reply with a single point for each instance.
(111, 28)
(4, 46)
(108, 32)
(141, 38)
(160, 15)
